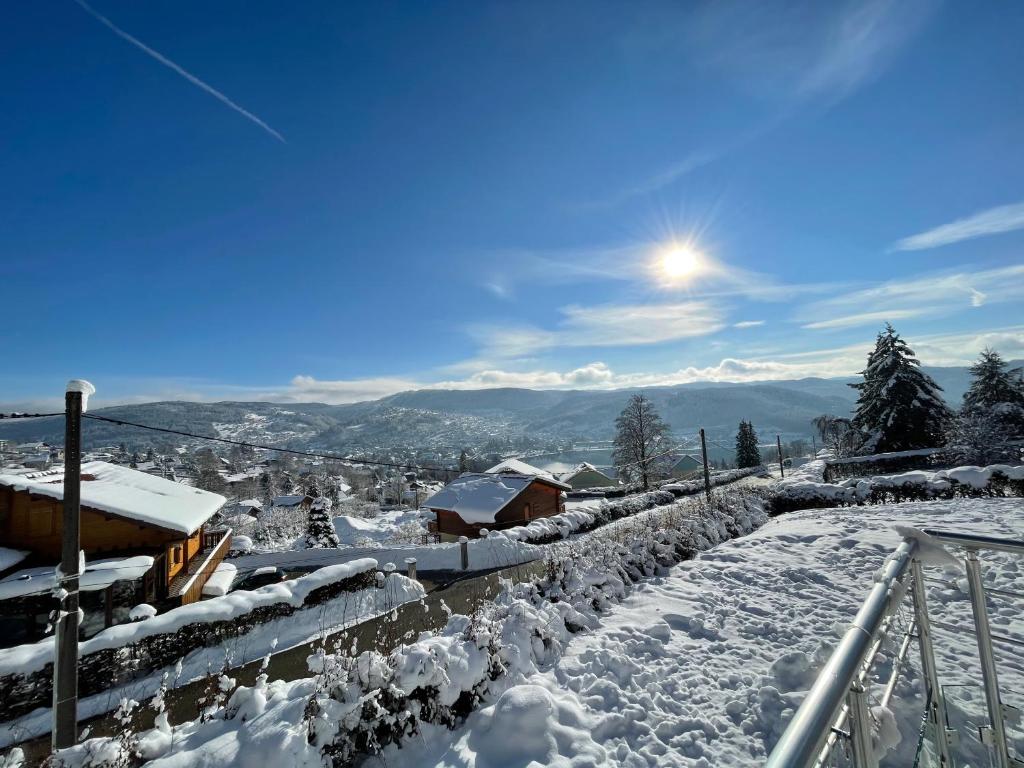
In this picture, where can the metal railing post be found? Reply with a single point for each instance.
(988, 662)
(860, 727)
(936, 714)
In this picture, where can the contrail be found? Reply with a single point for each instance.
(187, 75)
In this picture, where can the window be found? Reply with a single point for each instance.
(177, 555)
(526, 512)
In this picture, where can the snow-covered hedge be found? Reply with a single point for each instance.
(806, 491)
(127, 652)
(881, 463)
(357, 703)
(586, 518)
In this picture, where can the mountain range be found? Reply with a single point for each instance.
(442, 422)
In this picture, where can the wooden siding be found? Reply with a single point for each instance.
(37, 524)
(591, 478)
(202, 567)
(543, 501)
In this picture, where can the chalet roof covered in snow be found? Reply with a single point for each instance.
(478, 497)
(128, 493)
(291, 500)
(517, 467)
(566, 477)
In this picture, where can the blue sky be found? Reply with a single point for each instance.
(338, 201)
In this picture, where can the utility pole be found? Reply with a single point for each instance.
(707, 473)
(65, 663)
(778, 444)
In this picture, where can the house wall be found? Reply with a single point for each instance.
(543, 500)
(591, 479)
(37, 524)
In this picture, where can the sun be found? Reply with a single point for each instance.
(680, 261)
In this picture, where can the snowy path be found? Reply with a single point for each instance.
(699, 668)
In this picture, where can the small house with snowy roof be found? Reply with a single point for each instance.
(587, 476)
(517, 467)
(124, 513)
(494, 501)
(685, 466)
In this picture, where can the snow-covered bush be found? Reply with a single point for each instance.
(798, 492)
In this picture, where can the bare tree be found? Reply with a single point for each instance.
(642, 442)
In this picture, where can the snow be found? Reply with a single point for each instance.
(141, 612)
(478, 497)
(85, 388)
(97, 575)
(220, 580)
(807, 482)
(705, 666)
(34, 656)
(345, 610)
(128, 493)
(883, 456)
(11, 557)
(518, 467)
(384, 527)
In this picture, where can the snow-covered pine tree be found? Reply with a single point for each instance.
(320, 533)
(996, 390)
(899, 405)
(313, 486)
(991, 422)
(747, 453)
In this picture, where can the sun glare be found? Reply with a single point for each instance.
(680, 261)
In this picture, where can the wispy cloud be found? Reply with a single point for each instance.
(748, 323)
(866, 318)
(607, 325)
(1004, 218)
(824, 51)
(931, 295)
(180, 70)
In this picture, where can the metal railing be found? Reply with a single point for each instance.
(836, 712)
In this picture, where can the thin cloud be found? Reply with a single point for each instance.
(607, 325)
(1004, 218)
(748, 323)
(801, 52)
(932, 295)
(184, 73)
(865, 318)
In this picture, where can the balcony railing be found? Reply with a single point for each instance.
(188, 586)
(834, 724)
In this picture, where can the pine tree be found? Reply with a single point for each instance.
(991, 420)
(641, 442)
(994, 388)
(312, 486)
(899, 405)
(320, 533)
(463, 461)
(747, 453)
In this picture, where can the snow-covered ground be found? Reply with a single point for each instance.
(705, 666)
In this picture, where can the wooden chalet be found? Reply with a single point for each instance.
(587, 476)
(686, 466)
(124, 513)
(494, 501)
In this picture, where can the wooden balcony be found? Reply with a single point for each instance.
(187, 586)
